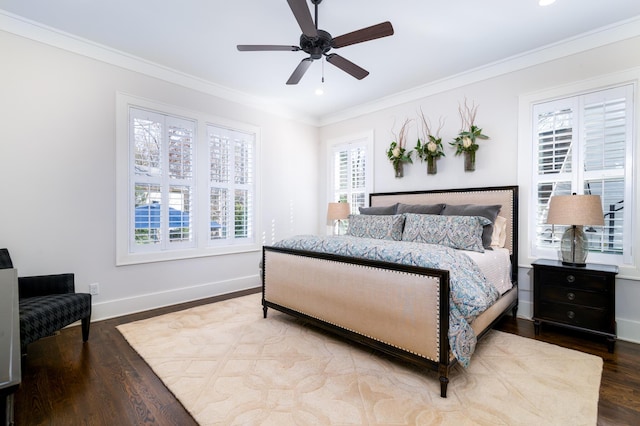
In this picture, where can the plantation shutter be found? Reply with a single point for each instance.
(350, 180)
(180, 138)
(231, 185)
(581, 146)
(605, 133)
(162, 162)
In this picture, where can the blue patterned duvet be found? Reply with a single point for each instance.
(470, 293)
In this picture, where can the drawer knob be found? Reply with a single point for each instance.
(571, 296)
(571, 314)
(571, 278)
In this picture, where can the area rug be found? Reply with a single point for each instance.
(229, 366)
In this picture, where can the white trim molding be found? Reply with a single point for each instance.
(39, 32)
(145, 302)
(45, 34)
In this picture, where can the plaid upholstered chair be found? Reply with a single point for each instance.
(47, 304)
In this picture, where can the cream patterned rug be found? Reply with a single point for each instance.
(229, 366)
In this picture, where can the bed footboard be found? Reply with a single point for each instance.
(398, 309)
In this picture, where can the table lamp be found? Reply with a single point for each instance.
(576, 211)
(336, 213)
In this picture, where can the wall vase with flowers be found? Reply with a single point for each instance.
(466, 141)
(431, 149)
(397, 152)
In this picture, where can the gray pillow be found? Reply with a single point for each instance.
(420, 208)
(488, 211)
(379, 210)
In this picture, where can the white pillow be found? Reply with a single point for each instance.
(499, 237)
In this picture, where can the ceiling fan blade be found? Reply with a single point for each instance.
(373, 32)
(303, 16)
(265, 47)
(302, 68)
(347, 66)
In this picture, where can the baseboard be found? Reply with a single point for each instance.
(525, 309)
(145, 302)
(628, 330)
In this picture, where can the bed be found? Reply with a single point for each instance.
(393, 295)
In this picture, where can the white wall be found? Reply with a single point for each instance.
(57, 168)
(497, 158)
(57, 178)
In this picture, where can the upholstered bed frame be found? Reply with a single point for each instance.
(398, 309)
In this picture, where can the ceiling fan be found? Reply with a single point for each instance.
(318, 42)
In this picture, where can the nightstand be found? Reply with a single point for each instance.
(581, 298)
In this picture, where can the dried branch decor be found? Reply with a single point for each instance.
(397, 152)
(430, 148)
(465, 142)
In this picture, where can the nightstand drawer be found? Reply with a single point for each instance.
(579, 316)
(559, 294)
(568, 278)
(583, 298)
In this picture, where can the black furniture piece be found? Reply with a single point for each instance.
(48, 303)
(10, 366)
(581, 298)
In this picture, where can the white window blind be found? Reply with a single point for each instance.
(162, 181)
(349, 167)
(581, 146)
(186, 186)
(231, 185)
(350, 174)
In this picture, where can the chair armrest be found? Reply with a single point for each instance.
(43, 285)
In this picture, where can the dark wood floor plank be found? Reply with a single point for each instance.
(105, 382)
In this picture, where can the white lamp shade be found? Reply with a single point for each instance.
(338, 211)
(575, 210)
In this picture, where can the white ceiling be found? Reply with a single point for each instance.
(433, 39)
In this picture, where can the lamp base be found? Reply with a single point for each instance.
(574, 247)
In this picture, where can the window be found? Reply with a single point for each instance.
(583, 144)
(189, 186)
(350, 166)
(231, 185)
(162, 181)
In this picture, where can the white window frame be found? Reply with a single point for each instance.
(161, 181)
(202, 245)
(629, 263)
(364, 139)
(231, 186)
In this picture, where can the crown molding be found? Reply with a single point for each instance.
(596, 38)
(42, 33)
(36, 31)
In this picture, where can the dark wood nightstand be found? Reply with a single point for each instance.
(582, 298)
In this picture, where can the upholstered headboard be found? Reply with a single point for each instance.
(506, 196)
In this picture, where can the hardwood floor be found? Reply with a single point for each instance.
(104, 382)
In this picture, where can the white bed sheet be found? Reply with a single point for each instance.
(495, 265)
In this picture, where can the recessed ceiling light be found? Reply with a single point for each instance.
(546, 2)
(319, 91)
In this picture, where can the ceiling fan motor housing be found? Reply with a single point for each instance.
(316, 46)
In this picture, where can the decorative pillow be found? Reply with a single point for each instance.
(381, 227)
(499, 237)
(379, 210)
(420, 208)
(488, 211)
(459, 232)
